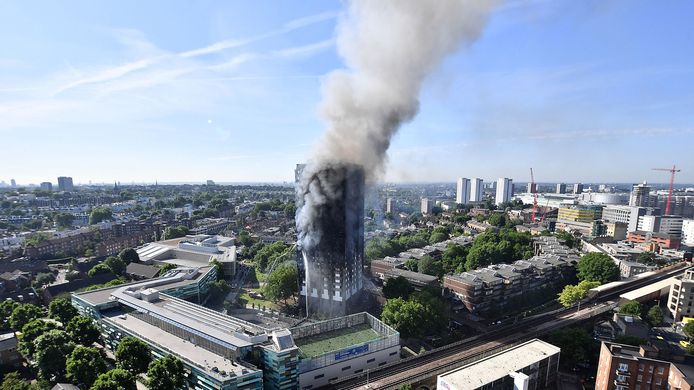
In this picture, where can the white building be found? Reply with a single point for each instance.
(528, 366)
(688, 232)
(532, 188)
(625, 214)
(462, 195)
(680, 300)
(640, 195)
(390, 205)
(672, 225)
(649, 223)
(561, 188)
(476, 190)
(426, 206)
(504, 190)
(578, 188)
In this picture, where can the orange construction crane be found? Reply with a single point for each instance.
(672, 171)
(533, 189)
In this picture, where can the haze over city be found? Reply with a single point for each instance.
(175, 92)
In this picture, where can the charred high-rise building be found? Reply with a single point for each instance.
(332, 243)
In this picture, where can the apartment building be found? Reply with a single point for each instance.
(626, 367)
(681, 299)
(654, 241)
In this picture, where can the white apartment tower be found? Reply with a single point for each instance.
(504, 190)
(390, 205)
(688, 232)
(476, 190)
(426, 206)
(462, 195)
(640, 195)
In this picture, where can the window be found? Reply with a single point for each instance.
(359, 371)
(318, 376)
(641, 367)
(381, 364)
(638, 387)
(658, 381)
(639, 378)
(650, 369)
(623, 367)
(661, 370)
(371, 360)
(393, 353)
(346, 368)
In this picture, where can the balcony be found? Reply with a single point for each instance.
(623, 372)
(621, 382)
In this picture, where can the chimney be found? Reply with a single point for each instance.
(648, 351)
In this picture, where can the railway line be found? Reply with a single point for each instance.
(462, 352)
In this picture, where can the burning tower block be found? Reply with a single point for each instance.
(334, 258)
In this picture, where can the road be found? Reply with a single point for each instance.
(437, 361)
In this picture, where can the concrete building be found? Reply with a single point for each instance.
(47, 186)
(561, 188)
(192, 251)
(532, 188)
(462, 195)
(681, 296)
(13, 183)
(391, 206)
(529, 366)
(688, 232)
(65, 184)
(504, 190)
(617, 230)
(578, 188)
(9, 351)
(627, 367)
(649, 223)
(666, 224)
(223, 352)
(640, 195)
(654, 241)
(426, 206)
(625, 214)
(476, 188)
(579, 218)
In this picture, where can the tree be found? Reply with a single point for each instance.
(412, 265)
(574, 293)
(84, 365)
(282, 282)
(61, 309)
(166, 268)
(52, 349)
(655, 315)
(165, 374)
(688, 330)
(631, 308)
(12, 381)
(397, 288)
(437, 237)
(630, 340)
(116, 379)
(576, 344)
(218, 267)
(23, 314)
(427, 265)
(83, 331)
(63, 220)
(218, 290)
(175, 232)
(31, 331)
(100, 268)
(497, 219)
(44, 278)
(133, 355)
(6, 309)
(646, 258)
(404, 316)
(100, 214)
(597, 266)
(115, 264)
(129, 255)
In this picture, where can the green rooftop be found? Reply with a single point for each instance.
(336, 340)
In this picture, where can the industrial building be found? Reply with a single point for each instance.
(531, 365)
(224, 352)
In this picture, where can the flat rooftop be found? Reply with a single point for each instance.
(648, 290)
(495, 367)
(336, 340)
(200, 357)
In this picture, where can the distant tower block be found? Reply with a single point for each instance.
(335, 263)
(476, 190)
(462, 195)
(391, 206)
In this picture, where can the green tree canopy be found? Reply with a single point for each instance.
(129, 255)
(33, 330)
(165, 374)
(6, 309)
(631, 308)
(430, 266)
(646, 258)
(282, 283)
(133, 355)
(116, 379)
(23, 314)
(597, 266)
(271, 254)
(44, 278)
(61, 309)
(397, 288)
(574, 293)
(12, 381)
(497, 219)
(577, 346)
(83, 331)
(100, 268)
(420, 314)
(100, 214)
(655, 315)
(84, 365)
(166, 267)
(52, 350)
(688, 330)
(63, 220)
(115, 264)
(175, 232)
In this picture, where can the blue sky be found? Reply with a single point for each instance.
(229, 90)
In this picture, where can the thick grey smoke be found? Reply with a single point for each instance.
(389, 47)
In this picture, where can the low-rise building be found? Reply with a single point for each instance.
(9, 352)
(531, 365)
(681, 296)
(654, 240)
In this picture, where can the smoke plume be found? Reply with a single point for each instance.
(389, 47)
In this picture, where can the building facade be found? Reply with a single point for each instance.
(640, 195)
(578, 188)
(504, 190)
(425, 206)
(561, 188)
(65, 184)
(462, 194)
(476, 187)
(681, 297)
(688, 232)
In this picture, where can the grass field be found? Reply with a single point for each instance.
(336, 340)
(258, 302)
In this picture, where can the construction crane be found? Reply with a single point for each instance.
(533, 189)
(672, 171)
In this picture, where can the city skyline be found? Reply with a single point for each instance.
(232, 92)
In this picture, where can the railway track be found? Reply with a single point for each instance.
(465, 351)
